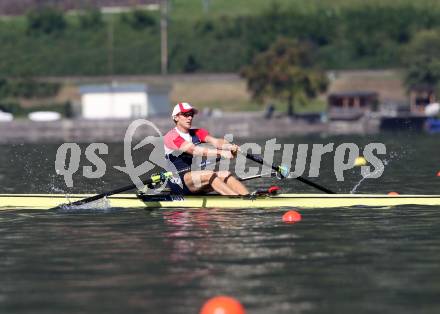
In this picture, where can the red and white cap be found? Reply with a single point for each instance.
(183, 107)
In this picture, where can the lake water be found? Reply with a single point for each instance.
(343, 260)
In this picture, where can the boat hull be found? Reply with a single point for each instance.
(47, 201)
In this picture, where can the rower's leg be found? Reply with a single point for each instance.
(233, 183)
(197, 181)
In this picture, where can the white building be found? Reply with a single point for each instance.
(124, 101)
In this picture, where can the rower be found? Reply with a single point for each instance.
(181, 145)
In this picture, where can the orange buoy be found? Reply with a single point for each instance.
(393, 193)
(222, 304)
(438, 174)
(291, 217)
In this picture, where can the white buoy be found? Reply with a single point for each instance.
(44, 116)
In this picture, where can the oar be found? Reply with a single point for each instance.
(282, 171)
(271, 174)
(161, 177)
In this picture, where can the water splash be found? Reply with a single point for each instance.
(384, 162)
(100, 205)
(55, 185)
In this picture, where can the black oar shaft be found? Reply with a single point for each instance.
(147, 181)
(260, 160)
(105, 194)
(315, 185)
(257, 176)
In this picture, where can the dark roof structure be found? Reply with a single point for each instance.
(354, 94)
(423, 88)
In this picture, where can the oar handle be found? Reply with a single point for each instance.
(260, 160)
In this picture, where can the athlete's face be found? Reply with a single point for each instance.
(184, 119)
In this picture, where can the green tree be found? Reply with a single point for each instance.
(286, 71)
(3, 88)
(191, 65)
(45, 20)
(422, 60)
(139, 19)
(91, 19)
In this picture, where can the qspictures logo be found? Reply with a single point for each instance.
(69, 155)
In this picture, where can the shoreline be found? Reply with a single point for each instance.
(241, 125)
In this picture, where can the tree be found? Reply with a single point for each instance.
(139, 19)
(191, 65)
(285, 71)
(422, 60)
(45, 20)
(91, 19)
(3, 88)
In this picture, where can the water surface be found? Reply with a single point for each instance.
(343, 260)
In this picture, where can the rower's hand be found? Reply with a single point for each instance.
(226, 154)
(234, 150)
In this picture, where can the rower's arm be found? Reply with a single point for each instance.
(192, 149)
(219, 143)
(222, 144)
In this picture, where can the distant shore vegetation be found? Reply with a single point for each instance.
(212, 39)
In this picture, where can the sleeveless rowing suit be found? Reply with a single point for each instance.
(173, 141)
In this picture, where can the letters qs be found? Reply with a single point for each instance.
(68, 168)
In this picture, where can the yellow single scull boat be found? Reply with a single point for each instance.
(47, 201)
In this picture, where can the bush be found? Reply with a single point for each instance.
(15, 109)
(12, 107)
(191, 65)
(27, 89)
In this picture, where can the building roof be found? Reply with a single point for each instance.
(354, 94)
(122, 88)
(125, 88)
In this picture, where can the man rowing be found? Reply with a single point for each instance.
(181, 145)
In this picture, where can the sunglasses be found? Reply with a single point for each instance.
(187, 114)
